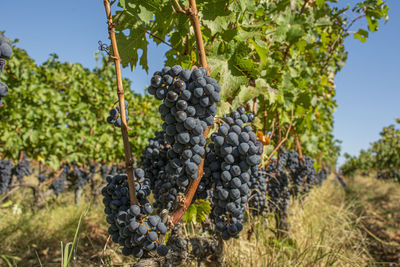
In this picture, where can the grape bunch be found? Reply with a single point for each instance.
(235, 161)
(3, 91)
(154, 161)
(188, 108)
(115, 115)
(81, 176)
(277, 187)
(133, 226)
(154, 158)
(304, 169)
(5, 47)
(321, 176)
(41, 177)
(292, 160)
(282, 159)
(295, 172)
(5, 175)
(58, 184)
(5, 52)
(307, 165)
(92, 169)
(210, 173)
(22, 169)
(167, 190)
(257, 200)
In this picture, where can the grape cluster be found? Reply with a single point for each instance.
(154, 162)
(387, 174)
(5, 47)
(132, 226)
(22, 169)
(154, 158)
(204, 190)
(5, 52)
(295, 171)
(3, 91)
(282, 159)
(278, 183)
(290, 176)
(321, 176)
(92, 169)
(115, 116)
(292, 160)
(257, 200)
(5, 174)
(188, 108)
(81, 176)
(308, 165)
(304, 176)
(278, 187)
(41, 177)
(235, 155)
(58, 184)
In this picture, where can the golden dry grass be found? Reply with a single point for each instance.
(323, 232)
(31, 234)
(326, 230)
(378, 209)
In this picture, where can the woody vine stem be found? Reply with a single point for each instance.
(121, 98)
(193, 15)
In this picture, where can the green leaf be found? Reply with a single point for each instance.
(361, 35)
(294, 33)
(320, 3)
(190, 214)
(197, 212)
(261, 50)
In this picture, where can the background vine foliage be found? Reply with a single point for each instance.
(283, 55)
(382, 158)
(56, 112)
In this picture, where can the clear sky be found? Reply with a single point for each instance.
(368, 88)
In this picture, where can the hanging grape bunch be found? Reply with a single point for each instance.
(293, 167)
(5, 174)
(22, 169)
(5, 53)
(257, 200)
(115, 115)
(154, 157)
(58, 184)
(204, 190)
(153, 161)
(237, 155)
(189, 106)
(277, 184)
(133, 226)
(170, 161)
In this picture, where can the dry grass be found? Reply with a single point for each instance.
(378, 207)
(30, 234)
(325, 230)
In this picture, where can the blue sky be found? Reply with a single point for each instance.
(368, 88)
